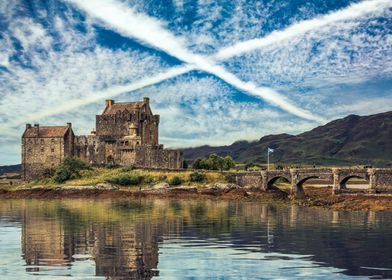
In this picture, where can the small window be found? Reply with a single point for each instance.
(42, 150)
(52, 140)
(52, 150)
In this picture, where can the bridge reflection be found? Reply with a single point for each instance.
(123, 238)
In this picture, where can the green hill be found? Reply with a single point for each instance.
(350, 140)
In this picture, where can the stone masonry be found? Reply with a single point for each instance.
(126, 134)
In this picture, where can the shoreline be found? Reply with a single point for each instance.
(315, 196)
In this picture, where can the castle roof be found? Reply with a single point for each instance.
(45, 131)
(113, 107)
(122, 106)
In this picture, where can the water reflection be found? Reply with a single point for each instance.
(144, 239)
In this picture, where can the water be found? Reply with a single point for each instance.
(171, 239)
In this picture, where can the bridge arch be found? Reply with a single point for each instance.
(344, 180)
(298, 188)
(301, 182)
(271, 181)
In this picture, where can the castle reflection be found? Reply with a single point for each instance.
(122, 239)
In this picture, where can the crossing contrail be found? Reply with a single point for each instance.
(150, 31)
(359, 10)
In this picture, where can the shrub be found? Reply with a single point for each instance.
(126, 180)
(197, 177)
(69, 169)
(148, 180)
(112, 166)
(127, 168)
(214, 162)
(162, 178)
(175, 181)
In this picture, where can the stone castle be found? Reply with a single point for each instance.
(126, 134)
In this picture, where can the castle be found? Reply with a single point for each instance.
(126, 134)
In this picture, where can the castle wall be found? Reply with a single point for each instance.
(114, 125)
(42, 154)
(157, 157)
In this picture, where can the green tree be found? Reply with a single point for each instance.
(69, 169)
(175, 181)
(228, 163)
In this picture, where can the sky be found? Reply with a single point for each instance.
(216, 71)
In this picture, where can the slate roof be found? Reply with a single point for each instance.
(46, 131)
(122, 106)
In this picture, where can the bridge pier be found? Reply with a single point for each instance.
(297, 189)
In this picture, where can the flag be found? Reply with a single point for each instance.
(270, 150)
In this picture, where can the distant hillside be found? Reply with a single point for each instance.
(351, 140)
(10, 169)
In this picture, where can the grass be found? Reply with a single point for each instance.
(102, 175)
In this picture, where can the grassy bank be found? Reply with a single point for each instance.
(126, 177)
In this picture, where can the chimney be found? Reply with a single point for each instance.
(109, 102)
(28, 125)
(69, 124)
(36, 129)
(146, 100)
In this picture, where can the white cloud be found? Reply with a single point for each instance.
(203, 110)
(126, 21)
(358, 10)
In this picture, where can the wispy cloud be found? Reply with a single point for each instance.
(364, 8)
(148, 30)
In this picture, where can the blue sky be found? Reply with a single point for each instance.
(216, 71)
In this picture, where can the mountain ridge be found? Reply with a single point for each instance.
(350, 140)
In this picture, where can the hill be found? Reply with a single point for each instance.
(350, 140)
(17, 168)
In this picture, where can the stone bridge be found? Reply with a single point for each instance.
(378, 179)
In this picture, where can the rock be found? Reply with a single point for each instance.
(160, 186)
(191, 189)
(105, 186)
(250, 187)
(223, 187)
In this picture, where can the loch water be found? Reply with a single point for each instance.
(190, 239)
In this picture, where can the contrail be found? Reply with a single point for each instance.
(351, 12)
(125, 21)
(97, 96)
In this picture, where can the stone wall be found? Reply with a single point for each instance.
(253, 179)
(383, 179)
(157, 157)
(42, 154)
(114, 126)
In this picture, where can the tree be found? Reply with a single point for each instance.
(69, 169)
(228, 163)
(214, 162)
